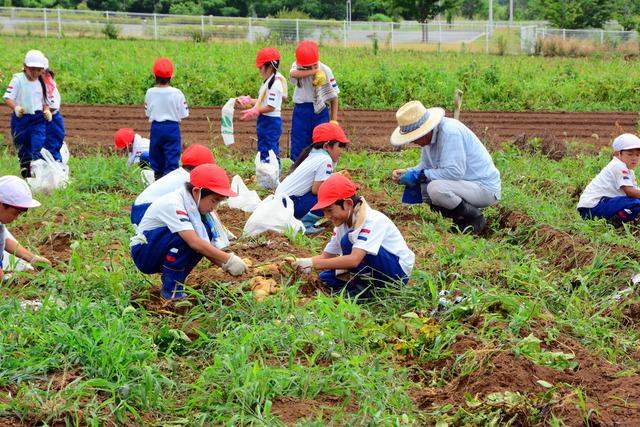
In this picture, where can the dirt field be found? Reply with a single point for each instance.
(91, 126)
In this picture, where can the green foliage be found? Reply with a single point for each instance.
(111, 31)
(380, 17)
(577, 14)
(470, 8)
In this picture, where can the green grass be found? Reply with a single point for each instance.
(94, 355)
(119, 72)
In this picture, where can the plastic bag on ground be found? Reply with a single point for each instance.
(274, 213)
(247, 200)
(64, 153)
(47, 174)
(226, 122)
(268, 174)
(148, 177)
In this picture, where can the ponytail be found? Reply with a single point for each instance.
(275, 65)
(305, 153)
(45, 95)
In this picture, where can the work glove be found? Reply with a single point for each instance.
(250, 114)
(413, 177)
(305, 265)
(38, 260)
(19, 111)
(321, 79)
(47, 115)
(235, 266)
(245, 100)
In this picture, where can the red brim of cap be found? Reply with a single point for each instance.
(323, 204)
(226, 192)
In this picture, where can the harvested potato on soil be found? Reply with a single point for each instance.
(263, 287)
(248, 262)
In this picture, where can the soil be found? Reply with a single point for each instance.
(91, 128)
(57, 248)
(292, 410)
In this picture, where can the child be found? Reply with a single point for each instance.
(166, 107)
(139, 153)
(25, 95)
(365, 242)
(193, 156)
(309, 75)
(613, 194)
(172, 236)
(268, 105)
(54, 130)
(15, 199)
(312, 168)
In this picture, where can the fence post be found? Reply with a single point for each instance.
(297, 30)
(439, 36)
(564, 33)
(202, 25)
(46, 26)
(59, 24)
(107, 14)
(155, 27)
(344, 31)
(392, 41)
(250, 35)
(486, 40)
(601, 36)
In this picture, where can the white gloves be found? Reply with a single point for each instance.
(39, 260)
(47, 115)
(235, 266)
(303, 264)
(19, 111)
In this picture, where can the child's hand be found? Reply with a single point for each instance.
(245, 100)
(250, 114)
(19, 111)
(303, 264)
(47, 115)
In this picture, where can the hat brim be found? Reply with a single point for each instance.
(35, 64)
(322, 205)
(226, 192)
(30, 204)
(631, 147)
(435, 117)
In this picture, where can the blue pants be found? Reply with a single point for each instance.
(164, 148)
(302, 205)
(144, 160)
(623, 207)
(374, 271)
(28, 132)
(164, 249)
(303, 122)
(269, 130)
(55, 136)
(138, 211)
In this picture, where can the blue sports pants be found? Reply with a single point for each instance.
(28, 132)
(302, 205)
(164, 148)
(303, 122)
(55, 136)
(625, 208)
(164, 249)
(269, 130)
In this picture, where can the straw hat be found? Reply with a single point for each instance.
(414, 122)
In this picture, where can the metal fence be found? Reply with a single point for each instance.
(531, 35)
(465, 36)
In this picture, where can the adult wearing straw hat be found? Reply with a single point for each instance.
(456, 175)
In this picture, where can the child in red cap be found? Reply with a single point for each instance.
(366, 246)
(311, 169)
(173, 235)
(166, 107)
(267, 108)
(137, 146)
(307, 75)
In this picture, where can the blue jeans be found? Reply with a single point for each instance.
(374, 271)
(164, 249)
(303, 122)
(29, 133)
(55, 136)
(623, 207)
(269, 130)
(164, 148)
(302, 205)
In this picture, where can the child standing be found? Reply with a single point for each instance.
(308, 75)
(311, 169)
(25, 96)
(268, 105)
(166, 107)
(172, 236)
(139, 153)
(55, 128)
(613, 194)
(365, 243)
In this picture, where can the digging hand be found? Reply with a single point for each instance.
(18, 111)
(396, 174)
(320, 79)
(47, 115)
(413, 177)
(38, 260)
(303, 264)
(235, 266)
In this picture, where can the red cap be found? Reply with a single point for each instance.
(163, 68)
(124, 137)
(307, 54)
(267, 54)
(329, 132)
(212, 177)
(196, 155)
(336, 187)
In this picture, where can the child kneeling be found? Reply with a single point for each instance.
(613, 194)
(366, 244)
(173, 235)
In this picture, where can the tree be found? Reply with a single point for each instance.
(424, 10)
(627, 14)
(574, 13)
(469, 8)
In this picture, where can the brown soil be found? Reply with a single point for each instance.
(90, 127)
(292, 410)
(57, 247)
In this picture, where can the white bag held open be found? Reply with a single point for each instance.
(268, 174)
(247, 200)
(47, 174)
(274, 213)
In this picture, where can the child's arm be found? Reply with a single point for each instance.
(16, 249)
(334, 109)
(631, 191)
(344, 262)
(301, 74)
(10, 103)
(204, 247)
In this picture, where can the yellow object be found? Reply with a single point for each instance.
(335, 122)
(321, 79)
(47, 115)
(19, 111)
(263, 287)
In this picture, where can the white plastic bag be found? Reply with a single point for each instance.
(47, 174)
(11, 263)
(247, 200)
(272, 214)
(219, 238)
(268, 174)
(226, 122)
(148, 177)
(64, 153)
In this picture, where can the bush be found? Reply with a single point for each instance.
(111, 31)
(286, 30)
(380, 17)
(186, 8)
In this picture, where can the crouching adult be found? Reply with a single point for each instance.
(456, 175)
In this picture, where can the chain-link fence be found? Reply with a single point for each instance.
(534, 39)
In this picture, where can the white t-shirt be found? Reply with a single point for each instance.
(138, 148)
(306, 91)
(168, 211)
(317, 167)
(377, 231)
(608, 183)
(272, 97)
(169, 183)
(163, 104)
(19, 89)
